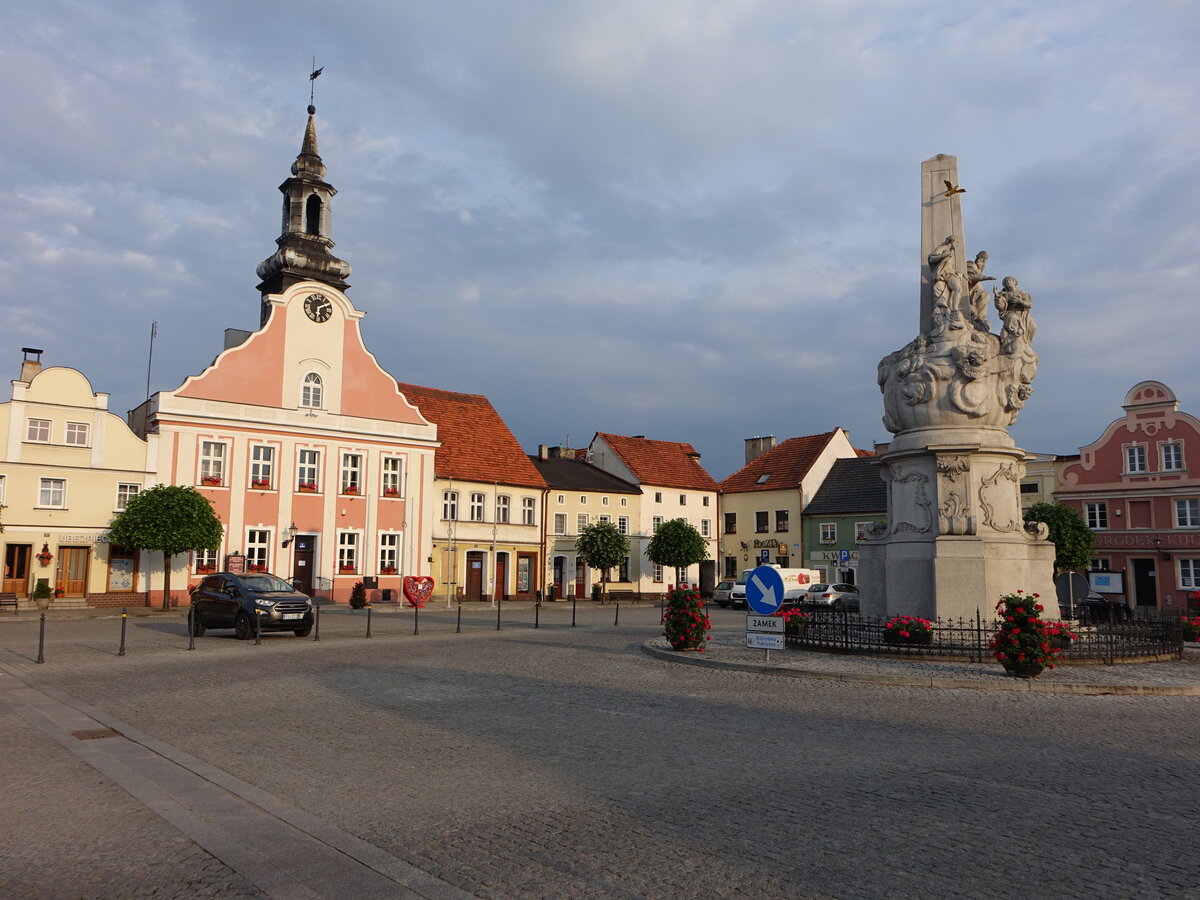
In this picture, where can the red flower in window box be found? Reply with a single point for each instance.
(210, 480)
(350, 489)
(260, 482)
(256, 567)
(391, 492)
(307, 487)
(388, 570)
(347, 570)
(205, 568)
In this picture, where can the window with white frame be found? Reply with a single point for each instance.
(393, 474)
(310, 391)
(1, 488)
(308, 470)
(604, 501)
(829, 532)
(623, 570)
(683, 499)
(731, 568)
(262, 466)
(1135, 459)
(212, 463)
(205, 561)
(562, 498)
(38, 430)
(1189, 574)
(477, 501)
(762, 522)
(862, 531)
(781, 520)
(52, 492)
(78, 434)
(704, 500)
(528, 511)
(1096, 515)
(706, 528)
(503, 506)
(389, 553)
(1187, 513)
(560, 523)
(450, 505)
(657, 574)
(351, 473)
(623, 524)
(624, 501)
(1100, 564)
(583, 499)
(125, 490)
(604, 519)
(347, 552)
(258, 544)
(655, 524)
(658, 496)
(1172, 457)
(581, 522)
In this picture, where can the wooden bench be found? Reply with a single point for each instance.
(621, 597)
(8, 599)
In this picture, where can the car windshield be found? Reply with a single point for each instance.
(266, 584)
(724, 585)
(819, 587)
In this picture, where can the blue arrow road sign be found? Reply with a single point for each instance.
(764, 590)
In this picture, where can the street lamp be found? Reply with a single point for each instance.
(291, 534)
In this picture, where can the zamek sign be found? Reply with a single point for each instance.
(1184, 540)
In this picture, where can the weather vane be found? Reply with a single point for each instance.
(312, 80)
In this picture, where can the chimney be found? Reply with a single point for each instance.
(543, 451)
(30, 367)
(757, 446)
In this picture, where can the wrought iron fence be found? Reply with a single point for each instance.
(836, 631)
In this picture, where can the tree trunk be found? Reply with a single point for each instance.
(166, 603)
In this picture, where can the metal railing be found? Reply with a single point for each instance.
(836, 631)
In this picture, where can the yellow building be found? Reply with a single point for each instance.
(67, 467)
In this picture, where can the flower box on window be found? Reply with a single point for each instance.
(210, 480)
(256, 567)
(391, 492)
(350, 489)
(205, 568)
(307, 487)
(263, 483)
(347, 570)
(388, 570)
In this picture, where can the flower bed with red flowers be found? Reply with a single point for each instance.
(795, 621)
(685, 623)
(908, 630)
(1191, 629)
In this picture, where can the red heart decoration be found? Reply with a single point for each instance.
(417, 589)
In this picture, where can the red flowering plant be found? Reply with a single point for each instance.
(1191, 629)
(685, 623)
(908, 630)
(1059, 634)
(1022, 641)
(794, 619)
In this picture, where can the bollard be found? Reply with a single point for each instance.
(42, 638)
(124, 616)
(573, 599)
(190, 627)
(257, 629)
(497, 615)
(368, 620)
(417, 617)
(316, 621)
(458, 629)
(537, 611)
(617, 616)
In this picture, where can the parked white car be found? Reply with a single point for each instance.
(835, 595)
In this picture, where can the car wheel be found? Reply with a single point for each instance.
(303, 632)
(198, 628)
(243, 630)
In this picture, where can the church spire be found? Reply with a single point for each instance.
(304, 244)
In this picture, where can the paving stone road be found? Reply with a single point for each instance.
(565, 762)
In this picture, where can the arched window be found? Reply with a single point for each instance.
(312, 215)
(310, 391)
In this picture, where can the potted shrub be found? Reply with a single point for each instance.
(42, 593)
(1022, 645)
(1191, 629)
(1059, 635)
(685, 623)
(795, 622)
(908, 630)
(358, 596)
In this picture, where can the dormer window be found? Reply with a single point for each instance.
(312, 215)
(310, 391)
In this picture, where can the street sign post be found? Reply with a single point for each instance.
(764, 596)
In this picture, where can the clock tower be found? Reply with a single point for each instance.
(305, 246)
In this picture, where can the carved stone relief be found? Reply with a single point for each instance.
(908, 502)
(1000, 502)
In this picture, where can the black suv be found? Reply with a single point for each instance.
(225, 600)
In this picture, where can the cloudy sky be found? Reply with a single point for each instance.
(697, 221)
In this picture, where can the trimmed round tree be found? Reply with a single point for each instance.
(677, 544)
(167, 519)
(1072, 539)
(602, 547)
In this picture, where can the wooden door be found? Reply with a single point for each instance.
(501, 575)
(16, 568)
(303, 555)
(475, 575)
(560, 578)
(1145, 591)
(71, 574)
(580, 577)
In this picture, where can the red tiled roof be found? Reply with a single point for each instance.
(476, 444)
(785, 465)
(665, 463)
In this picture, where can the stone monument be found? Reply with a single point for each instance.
(955, 540)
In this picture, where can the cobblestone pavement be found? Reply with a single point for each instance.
(565, 762)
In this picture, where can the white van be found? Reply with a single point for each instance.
(795, 583)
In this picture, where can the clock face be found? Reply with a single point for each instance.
(318, 308)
